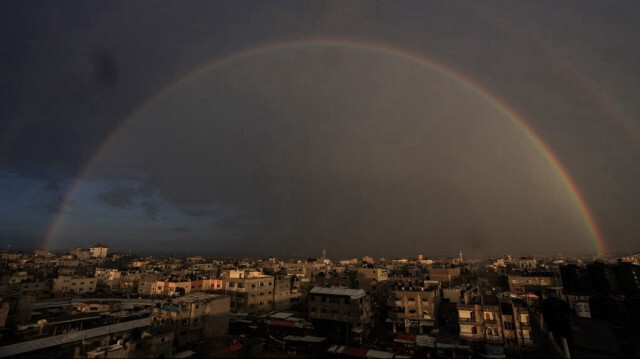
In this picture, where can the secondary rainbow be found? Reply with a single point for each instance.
(464, 81)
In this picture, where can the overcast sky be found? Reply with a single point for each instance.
(326, 145)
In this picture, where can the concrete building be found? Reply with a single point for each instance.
(249, 292)
(338, 310)
(521, 283)
(108, 277)
(370, 277)
(155, 342)
(193, 316)
(99, 251)
(447, 276)
(528, 262)
(485, 318)
(282, 292)
(74, 285)
(81, 253)
(413, 305)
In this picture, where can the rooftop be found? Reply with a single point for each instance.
(197, 297)
(352, 293)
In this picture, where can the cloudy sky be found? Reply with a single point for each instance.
(283, 128)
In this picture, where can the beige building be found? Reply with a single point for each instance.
(194, 316)
(81, 253)
(520, 283)
(446, 276)
(414, 305)
(74, 285)
(168, 288)
(250, 292)
(99, 251)
(525, 263)
(370, 277)
(488, 319)
(108, 277)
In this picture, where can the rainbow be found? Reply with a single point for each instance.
(614, 111)
(460, 79)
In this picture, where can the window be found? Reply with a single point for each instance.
(323, 310)
(411, 299)
(312, 309)
(323, 299)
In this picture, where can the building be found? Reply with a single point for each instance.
(342, 313)
(156, 342)
(413, 305)
(370, 277)
(282, 292)
(446, 276)
(108, 277)
(487, 319)
(99, 251)
(74, 285)
(249, 292)
(193, 316)
(528, 262)
(81, 253)
(521, 283)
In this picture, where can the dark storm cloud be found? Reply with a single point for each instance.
(105, 67)
(128, 197)
(119, 197)
(338, 158)
(197, 212)
(284, 146)
(150, 208)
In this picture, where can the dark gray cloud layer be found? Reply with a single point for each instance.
(371, 149)
(323, 144)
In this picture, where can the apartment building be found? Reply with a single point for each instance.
(413, 305)
(370, 277)
(528, 262)
(486, 318)
(74, 285)
(521, 283)
(348, 311)
(447, 276)
(193, 316)
(99, 251)
(168, 288)
(282, 292)
(108, 277)
(249, 291)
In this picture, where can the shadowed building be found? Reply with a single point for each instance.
(414, 305)
(194, 316)
(341, 313)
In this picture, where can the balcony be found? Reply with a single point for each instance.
(471, 336)
(490, 321)
(467, 320)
